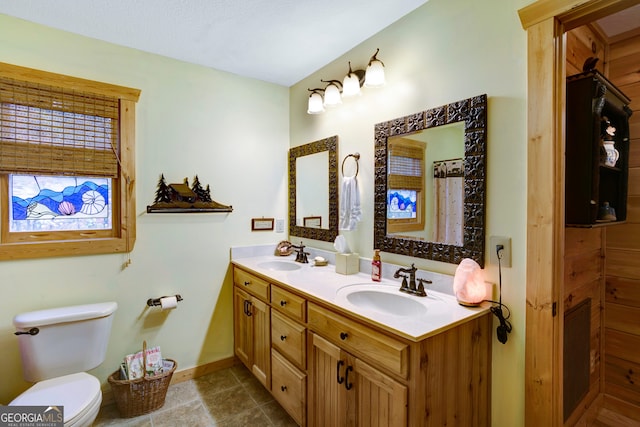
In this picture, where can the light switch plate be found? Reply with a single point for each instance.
(506, 252)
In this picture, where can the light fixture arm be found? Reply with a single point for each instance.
(359, 73)
(374, 58)
(339, 86)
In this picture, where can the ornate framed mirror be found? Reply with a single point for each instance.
(471, 113)
(313, 190)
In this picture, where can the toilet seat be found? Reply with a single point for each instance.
(79, 393)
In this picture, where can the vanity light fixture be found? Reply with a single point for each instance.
(350, 86)
(351, 82)
(374, 76)
(332, 96)
(315, 101)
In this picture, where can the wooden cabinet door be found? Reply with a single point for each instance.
(242, 327)
(261, 366)
(345, 391)
(329, 402)
(381, 400)
(252, 335)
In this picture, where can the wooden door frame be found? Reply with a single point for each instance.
(546, 22)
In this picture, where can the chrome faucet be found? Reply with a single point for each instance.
(301, 255)
(411, 287)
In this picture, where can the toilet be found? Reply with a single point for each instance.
(56, 346)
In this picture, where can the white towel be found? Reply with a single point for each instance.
(350, 212)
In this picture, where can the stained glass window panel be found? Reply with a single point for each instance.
(401, 204)
(59, 203)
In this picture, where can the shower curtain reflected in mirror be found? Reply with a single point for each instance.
(448, 207)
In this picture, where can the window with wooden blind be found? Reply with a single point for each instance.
(405, 185)
(66, 165)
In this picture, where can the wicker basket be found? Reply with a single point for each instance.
(142, 395)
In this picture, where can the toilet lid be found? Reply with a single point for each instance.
(76, 392)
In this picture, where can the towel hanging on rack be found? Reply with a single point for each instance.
(350, 211)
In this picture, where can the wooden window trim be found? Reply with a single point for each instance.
(546, 21)
(123, 237)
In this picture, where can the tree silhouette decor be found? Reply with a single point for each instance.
(177, 198)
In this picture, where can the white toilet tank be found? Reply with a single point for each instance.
(69, 339)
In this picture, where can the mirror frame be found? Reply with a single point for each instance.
(329, 234)
(473, 112)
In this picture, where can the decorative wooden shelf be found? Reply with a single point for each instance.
(152, 209)
(180, 198)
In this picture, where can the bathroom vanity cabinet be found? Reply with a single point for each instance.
(592, 181)
(252, 325)
(344, 389)
(329, 366)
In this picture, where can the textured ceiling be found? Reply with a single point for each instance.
(281, 41)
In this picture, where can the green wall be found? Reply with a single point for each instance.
(194, 120)
(445, 51)
(190, 120)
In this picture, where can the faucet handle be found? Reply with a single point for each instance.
(403, 287)
(420, 290)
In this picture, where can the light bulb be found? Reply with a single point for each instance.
(375, 74)
(351, 85)
(315, 103)
(332, 96)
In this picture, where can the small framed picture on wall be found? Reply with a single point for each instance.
(312, 221)
(261, 224)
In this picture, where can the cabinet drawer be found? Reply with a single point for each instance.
(289, 338)
(360, 340)
(289, 387)
(250, 283)
(287, 302)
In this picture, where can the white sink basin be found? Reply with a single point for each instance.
(388, 300)
(279, 265)
(395, 304)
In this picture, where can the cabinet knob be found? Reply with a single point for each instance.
(283, 387)
(343, 336)
(247, 283)
(283, 303)
(283, 337)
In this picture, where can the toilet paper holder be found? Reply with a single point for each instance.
(151, 302)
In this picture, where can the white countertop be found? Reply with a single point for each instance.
(323, 283)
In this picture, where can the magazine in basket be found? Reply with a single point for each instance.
(148, 361)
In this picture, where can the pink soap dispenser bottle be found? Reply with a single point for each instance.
(376, 266)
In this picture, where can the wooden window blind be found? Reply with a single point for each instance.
(52, 130)
(406, 164)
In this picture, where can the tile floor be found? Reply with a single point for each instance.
(226, 398)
